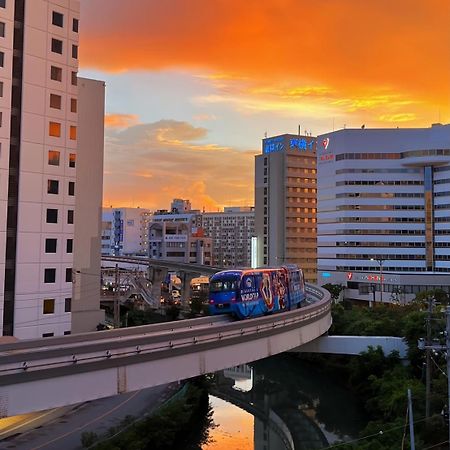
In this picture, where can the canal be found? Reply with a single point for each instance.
(281, 403)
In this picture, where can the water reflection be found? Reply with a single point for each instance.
(281, 403)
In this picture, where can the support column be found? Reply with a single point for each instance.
(186, 278)
(159, 274)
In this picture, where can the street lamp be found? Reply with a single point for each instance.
(380, 262)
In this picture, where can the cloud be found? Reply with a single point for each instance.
(159, 161)
(120, 120)
(350, 47)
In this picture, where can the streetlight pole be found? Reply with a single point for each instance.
(380, 262)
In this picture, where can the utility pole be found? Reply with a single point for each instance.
(116, 299)
(447, 312)
(411, 421)
(428, 359)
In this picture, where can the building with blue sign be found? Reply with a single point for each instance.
(384, 211)
(285, 202)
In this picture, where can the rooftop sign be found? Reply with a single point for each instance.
(281, 143)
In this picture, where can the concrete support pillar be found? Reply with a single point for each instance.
(151, 273)
(186, 278)
(159, 274)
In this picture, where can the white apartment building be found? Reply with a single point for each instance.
(231, 232)
(125, 231)
(384, 211)
(38, 158)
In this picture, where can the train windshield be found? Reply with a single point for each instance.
(224, 285)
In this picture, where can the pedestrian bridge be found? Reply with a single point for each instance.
(51, 372)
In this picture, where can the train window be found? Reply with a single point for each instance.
(223, 285)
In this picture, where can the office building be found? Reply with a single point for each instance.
(125, 231)
(38, 165)
(285, 203)
(384, 211)
(231, 232)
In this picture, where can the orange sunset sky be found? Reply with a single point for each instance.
(193, 85)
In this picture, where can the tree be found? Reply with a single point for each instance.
(334, 290)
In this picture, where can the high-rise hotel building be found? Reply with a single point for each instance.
(38, 164)
(285, 203)
(384, 211)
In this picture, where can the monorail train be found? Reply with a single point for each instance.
(255, 292)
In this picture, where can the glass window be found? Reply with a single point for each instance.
(73, 132)
(72, 159)
(55, 101)
(50, 245)
(70, 216)
(74, 51)
(56, 73)
(54, 129)
(2, 3)
(69, 246)
(2, 29)
(74, 79)
(52, 186)
(57, 46)
(52, 215)
(2, 59)
(69, 275)
(1, 88)
(75, 25)
(49, 306)
(68, 305)
(53, 157)
(57, 19)
(71, 188)
(73, 105)
(49, 275)
(223, 285)
(44, 335)
(66, 333)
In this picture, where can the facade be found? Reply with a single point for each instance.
(125, 231)
(231, 232)
(180, 206)
(85, 305)
(39, 156)
(179, 241)
(384, 211)
(285, 203)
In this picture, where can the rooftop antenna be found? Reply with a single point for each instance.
(299, 130)
(265, 135)
(333, 123)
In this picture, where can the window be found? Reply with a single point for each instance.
(2, 29)
(53, 157)
(54, 129)
(1, 118)
(56, 73)
(71, 188)
(52, 215)
(72, 159)
(57, 46)
(73, 132)
(68, 305)
(69, 246)
(52, 186)
(2, 59)
(55, 101)
(49, 275)
(1, 88)
(74, 51)
(57, 19)
(66, 333)
(49, 306)
(74, 79)
(2, 3)
(75, 25)
(69, 275)
(73, 105)
(50, 245)
(47, 334)
(70, 216)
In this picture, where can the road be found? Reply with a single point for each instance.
(64, 432)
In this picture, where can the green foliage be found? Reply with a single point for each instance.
(172, 312)
(334, 289)
(175, 426)
(137, 317)
(88, 438)
(438, 294)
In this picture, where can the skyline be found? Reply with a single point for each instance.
(193, 88)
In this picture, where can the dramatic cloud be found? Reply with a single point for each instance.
(163, 160)
(120, 120)
(349, 49)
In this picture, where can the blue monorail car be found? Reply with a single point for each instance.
(255, 292)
